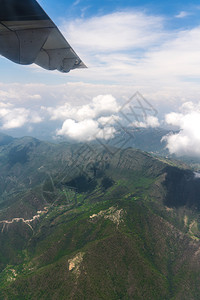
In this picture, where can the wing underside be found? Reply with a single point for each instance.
(28, 35)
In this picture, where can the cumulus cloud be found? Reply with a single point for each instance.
(187, 140)
(86, 130)
(101, 117)
(100, 105)
(108, 120)
(89, 121)
(81, 131)
(104, 104)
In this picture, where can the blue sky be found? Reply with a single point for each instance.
(148, 46)
(61, 8)
(176, 16)
(88, 8)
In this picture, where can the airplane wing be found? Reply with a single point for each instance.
(28, 35)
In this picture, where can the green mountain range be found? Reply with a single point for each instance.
(90, 221)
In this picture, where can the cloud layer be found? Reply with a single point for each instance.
(125, 51)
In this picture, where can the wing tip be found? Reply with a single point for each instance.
(80, 65)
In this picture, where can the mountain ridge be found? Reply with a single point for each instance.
(96, 223)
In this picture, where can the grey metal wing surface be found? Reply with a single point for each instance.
(28, 35)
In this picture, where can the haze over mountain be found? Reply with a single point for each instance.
(88, 221)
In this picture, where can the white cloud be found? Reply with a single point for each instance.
(17, 117)
(36, 97)
(190, 107)
(105, 104)
(86, 130)
(76, 2)
(106, 133)
(136, 48)
(81, 122)
(5, 105)
(114, 32)
(152, 121)
(24, 94)
(34, 117)
(187, 140)
(174, 118)
(96, 120)
(100, 105)
(111, 120)
(182, 14)
(13, 121)
(70, 100)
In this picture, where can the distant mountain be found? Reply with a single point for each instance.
(88, 222)
(146, 139)
(5, 139)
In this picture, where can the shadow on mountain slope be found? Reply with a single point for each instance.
(182, 188)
